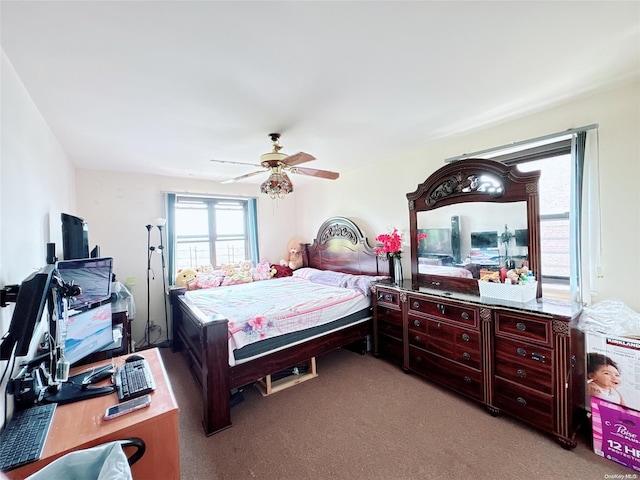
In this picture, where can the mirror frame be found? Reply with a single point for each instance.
(459, 182)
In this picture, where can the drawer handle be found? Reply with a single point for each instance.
(521, 401)
(464, 315)
(466, 337)
(417, 339)
(522, 373)
(435, 284)
(440, 307)
(438, 325)
(538, 357)
(521, 326)
(467, 380)
(466, 356)
(388, 297)
(416, 305)
(418, 359)
(522, 352)
(417, 323)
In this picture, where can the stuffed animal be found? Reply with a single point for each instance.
(187, 277)
(246, 271)
(293, 257)
(232, 276)
(262, 270)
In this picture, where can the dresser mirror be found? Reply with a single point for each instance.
(478, 215)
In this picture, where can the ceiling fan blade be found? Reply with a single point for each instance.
(298, 158)
(235, 163)
(312, 172)
(241, 177)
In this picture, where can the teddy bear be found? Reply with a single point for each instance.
(246, 271)
(293, 257)
(187, 277)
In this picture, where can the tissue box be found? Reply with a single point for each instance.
(616, 433)
(514, 293)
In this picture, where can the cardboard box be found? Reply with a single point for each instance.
(625, 354)
(616, 433)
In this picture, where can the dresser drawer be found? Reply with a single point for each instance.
(451, 342)
(450, 374)
(443, 310)
(390, 298)
(391, 329)
(389, 315)
(525, 364)
(526, 404)
(391, 349)
(526, 328)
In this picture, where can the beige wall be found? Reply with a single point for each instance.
(36, 180)
(117, 207)
(376, 196)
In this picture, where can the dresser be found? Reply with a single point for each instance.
(516, 359)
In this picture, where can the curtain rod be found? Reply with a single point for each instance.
(522, 142)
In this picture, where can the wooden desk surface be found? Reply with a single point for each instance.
(81, 425)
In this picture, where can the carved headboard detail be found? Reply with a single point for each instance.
(341, 246)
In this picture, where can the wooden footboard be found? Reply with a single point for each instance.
(206, 350)
(203, 341)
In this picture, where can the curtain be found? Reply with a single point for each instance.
(171, 234)
(253, 230)
(590, 239)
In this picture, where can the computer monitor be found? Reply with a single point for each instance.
(92, 275)
(522, 237)
(75, 237)
(484, 239)
(436, 243)
(88, 332)
(32, 296)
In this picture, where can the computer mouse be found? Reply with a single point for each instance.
(133, 358)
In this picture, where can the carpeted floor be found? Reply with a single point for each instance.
(364, 418)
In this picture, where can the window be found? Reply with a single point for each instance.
(555, 191)
(210, 231)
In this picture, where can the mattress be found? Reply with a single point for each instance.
(280, 307)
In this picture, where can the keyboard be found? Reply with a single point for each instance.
(134, 379)
(23, 438)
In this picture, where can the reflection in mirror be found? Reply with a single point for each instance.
(465, 239)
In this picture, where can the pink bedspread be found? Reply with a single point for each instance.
(260, 310)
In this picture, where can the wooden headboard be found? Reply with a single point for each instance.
(340, 246)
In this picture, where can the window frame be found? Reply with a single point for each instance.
(212, 203)
(533, 151)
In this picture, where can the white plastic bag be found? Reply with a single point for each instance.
(610, 317)
(122, 300)
(104, 462)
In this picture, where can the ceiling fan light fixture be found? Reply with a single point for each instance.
(277, 185)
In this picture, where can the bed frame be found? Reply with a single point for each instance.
(339, 246)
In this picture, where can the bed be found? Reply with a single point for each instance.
(205, 336)
(433, 266)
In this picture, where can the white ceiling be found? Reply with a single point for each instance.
(165, 86)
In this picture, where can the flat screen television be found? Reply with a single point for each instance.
(32, 296)
(92, 275)
(484, 239)
(522, 237)
(75, 237)
(437, 243)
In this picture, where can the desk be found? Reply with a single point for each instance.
(81, 425)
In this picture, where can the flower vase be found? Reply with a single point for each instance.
(397, 269)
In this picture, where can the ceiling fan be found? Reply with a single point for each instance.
(278, 164)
